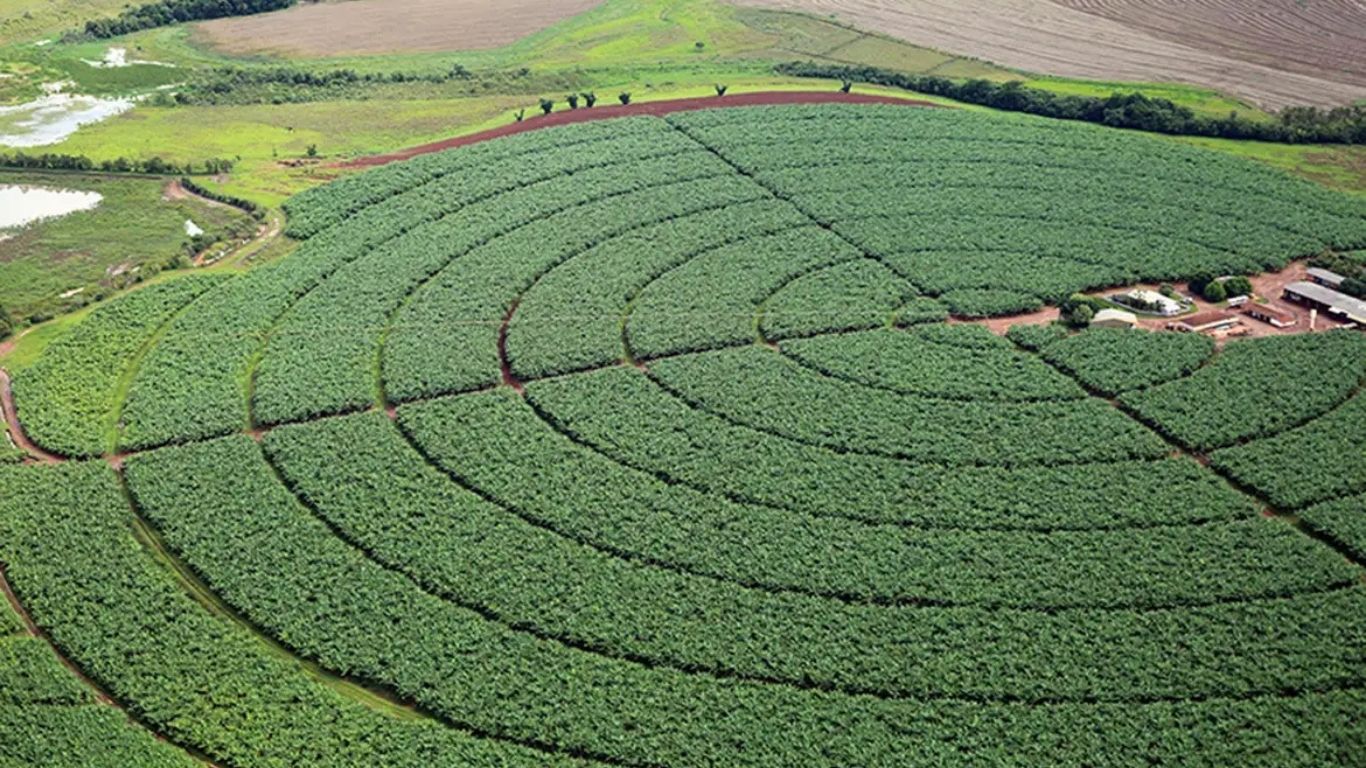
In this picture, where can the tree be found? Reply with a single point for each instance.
(1080, 316)
(1238, 286)
(573, 100)
(846, 85)
(519, 115)
(624, 97)
(699, 45)
(589, 99)
(1168, 290)
(1215, 292)
(721, 89)
(312, 150)
(546, 106)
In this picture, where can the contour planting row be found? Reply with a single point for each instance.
(196, 382)
(69, 399)
(622, 510)
(48, 717)
(67, 539)
(232, 521)
(1126, 205)
(323, 355)
(1256, 389)
(647, 428)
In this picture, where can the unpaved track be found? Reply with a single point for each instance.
(388, 26)
(656, 108)
(16, 430)
(1271, 52)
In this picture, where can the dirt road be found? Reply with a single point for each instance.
(605, 111)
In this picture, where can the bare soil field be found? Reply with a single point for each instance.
(1274, 53)
(388, 26)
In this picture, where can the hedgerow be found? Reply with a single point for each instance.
(1113, 360)
(69, 399)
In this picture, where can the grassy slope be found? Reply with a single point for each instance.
(133, 226)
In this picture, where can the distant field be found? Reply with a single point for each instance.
(389, 26)
(133, 227)
(1272, 52)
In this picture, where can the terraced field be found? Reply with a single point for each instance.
(645, 442)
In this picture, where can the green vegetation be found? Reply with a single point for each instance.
(69, 399)
(1256, 390)
(1112, 360)
(135, 232)
(647, 442)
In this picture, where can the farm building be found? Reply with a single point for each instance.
(1114, 318)
(1151, 301)
(1205, 322)
(1335, 304)
(1271, 315)
(1325, 277)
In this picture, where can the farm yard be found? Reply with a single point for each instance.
(645, 441)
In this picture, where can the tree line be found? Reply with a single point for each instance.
(1294, 125)
(167, 12)
(236, 202)
(153, 165)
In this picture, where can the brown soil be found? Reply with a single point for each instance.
(16, 430)
(1275, 53)
(656, 108)
(388, 26)
(1268, 286)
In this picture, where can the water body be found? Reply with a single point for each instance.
(51, 118)
(21, 205)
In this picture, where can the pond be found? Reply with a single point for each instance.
(21, 204)
(51, 118)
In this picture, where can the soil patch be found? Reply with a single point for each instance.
(655, 108)
(1275, 53)
(388, 26)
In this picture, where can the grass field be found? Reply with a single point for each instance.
(133, 230)
(627, 442)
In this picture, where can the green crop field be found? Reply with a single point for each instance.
(661, 441)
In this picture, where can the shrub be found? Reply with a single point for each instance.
(589, 99)
(573, 100)
(547, 106)
(624, 97)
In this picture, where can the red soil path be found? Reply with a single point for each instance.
(654, 108)
(16, 430)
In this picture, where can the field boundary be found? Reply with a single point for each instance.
(649, 108)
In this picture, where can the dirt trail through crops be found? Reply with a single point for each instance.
(1275, 53)
(655, 108)
(16, 430)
